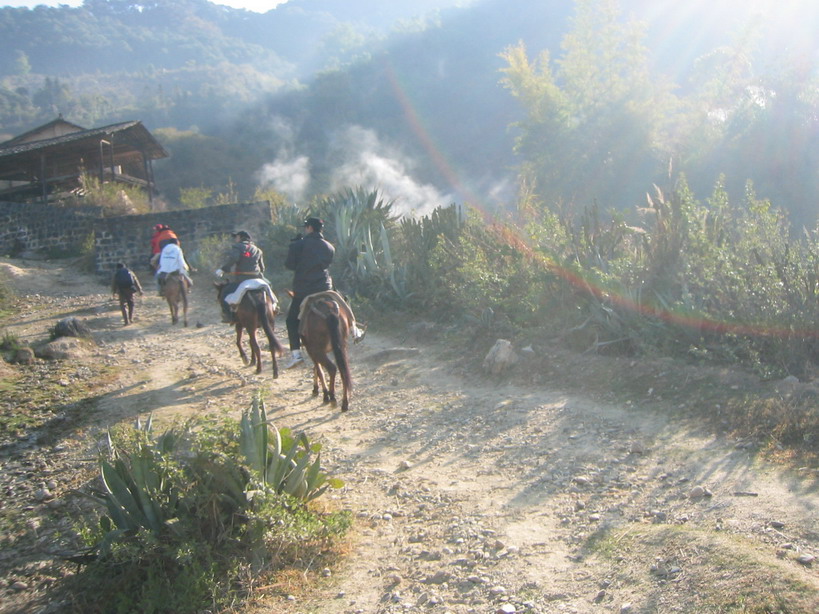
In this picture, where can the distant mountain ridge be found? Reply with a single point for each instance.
(126, 36)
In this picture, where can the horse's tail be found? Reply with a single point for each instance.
(267, 325)
(339, 351)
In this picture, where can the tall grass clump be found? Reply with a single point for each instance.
(193, 518)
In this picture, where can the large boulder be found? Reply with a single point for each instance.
(64, 348)
(71, 327)
(500, 358)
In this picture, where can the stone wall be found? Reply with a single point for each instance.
(57, 231)
(128, 238)
(45, 229)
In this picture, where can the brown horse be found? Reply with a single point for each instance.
(256, 310)
(174, 288)
(323, 328)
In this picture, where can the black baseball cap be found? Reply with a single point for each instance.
(314, 222)
(242, 234)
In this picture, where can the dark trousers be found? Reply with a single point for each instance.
(292, 322)
(228, 288)
(126, 304)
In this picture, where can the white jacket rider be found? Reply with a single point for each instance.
(171, 259)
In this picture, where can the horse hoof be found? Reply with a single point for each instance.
(315, 393)
(344, 406)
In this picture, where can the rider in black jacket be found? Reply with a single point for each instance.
(309, 257)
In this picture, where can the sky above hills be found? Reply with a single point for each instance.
(257, 6)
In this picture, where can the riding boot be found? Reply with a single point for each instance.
(228, 316)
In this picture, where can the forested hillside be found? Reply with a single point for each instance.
(436, 101)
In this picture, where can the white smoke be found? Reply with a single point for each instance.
(290, 176)
(363, 161)
(369, 163)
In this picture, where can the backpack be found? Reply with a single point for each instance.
(124, 279)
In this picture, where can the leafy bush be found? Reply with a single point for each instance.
(210, 253)
(191, 515)
(114, 198)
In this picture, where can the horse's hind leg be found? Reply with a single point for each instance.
(329, 395)
(184, 305)
(255, 350)
(239, 344)
(318, 376)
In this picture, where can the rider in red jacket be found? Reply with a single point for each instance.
(161, 237)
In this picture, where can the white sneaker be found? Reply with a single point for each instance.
(295, 358)
(358, 334)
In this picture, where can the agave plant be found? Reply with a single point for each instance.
(279, 460)
(353, 215)
(138, 492)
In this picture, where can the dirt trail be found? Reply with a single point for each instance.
(472, 494)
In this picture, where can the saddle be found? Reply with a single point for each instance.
(309, 304)
(234, 298)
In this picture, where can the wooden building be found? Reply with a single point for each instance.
(47, 162)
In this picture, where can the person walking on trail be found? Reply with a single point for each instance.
(172, 260)
(244, 261)
(124, 285)
(309, 256)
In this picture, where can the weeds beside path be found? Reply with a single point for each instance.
(470, 494)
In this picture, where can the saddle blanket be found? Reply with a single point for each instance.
(331, 294)
(235, 297)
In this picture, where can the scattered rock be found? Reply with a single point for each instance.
(394, 579)
(42, 494)
(699, 492)
(500, 358)
(637, 447)
(438, 578)
(806, 559)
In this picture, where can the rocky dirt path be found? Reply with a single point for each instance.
(471, 494)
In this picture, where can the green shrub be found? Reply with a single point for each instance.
(193, 514)
(114, 198)
(210, 253)
(9, 341)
